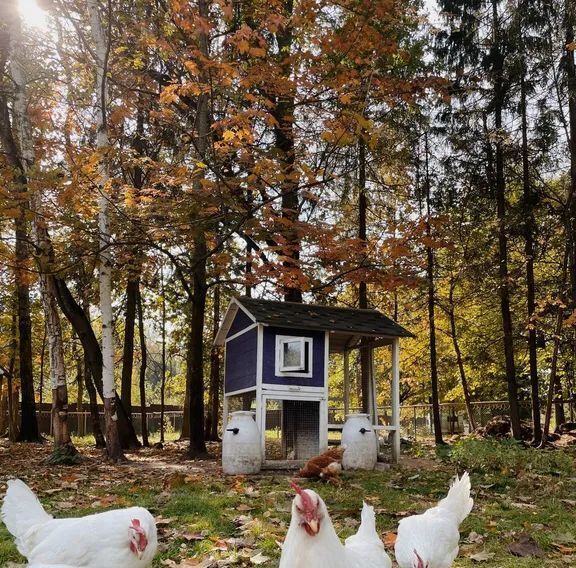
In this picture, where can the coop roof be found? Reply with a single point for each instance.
(343, 321)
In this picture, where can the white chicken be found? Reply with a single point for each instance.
(430, 540)
(312, 541)
(122, 538)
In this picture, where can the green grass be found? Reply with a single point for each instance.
(516, 490)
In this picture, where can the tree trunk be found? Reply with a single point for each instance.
(94, 413)
(143, 366)
(163, 381)
(459, 360)
(500, 186)
(81, 431)
(16, 138)
(185, 434)
(88, 377)
(194, 358)
(431, 310)
(570, 66)
(283, 113)
(81, 324)
(42, 366)
(64, 450)
(28, 425)
(3, 405)
(128, 356)
(562, 303)
(214, 392)
(194, 355)
(365, 362)
(12, 394)
(530, 283)
(101, 42)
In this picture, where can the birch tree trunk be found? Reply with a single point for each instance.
(101, 44)
(29, 425)
(64, 450)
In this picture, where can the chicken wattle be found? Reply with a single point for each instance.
(312, 540)
(122, 538)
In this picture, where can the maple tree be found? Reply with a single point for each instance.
(271, 147)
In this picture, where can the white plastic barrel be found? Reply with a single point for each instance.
(241, 453)
(359, 439)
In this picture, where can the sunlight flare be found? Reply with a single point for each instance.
(32, 15)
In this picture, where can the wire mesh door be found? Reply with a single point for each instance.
(292, 429)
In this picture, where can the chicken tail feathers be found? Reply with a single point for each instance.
(458, 500)
(367, 521)
(21, 509)
(367, 529)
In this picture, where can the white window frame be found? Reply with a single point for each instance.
(295, 371)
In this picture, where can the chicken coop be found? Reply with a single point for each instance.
(277, 364)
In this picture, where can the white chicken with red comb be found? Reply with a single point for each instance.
(312, 541)
(430, 540)
(122, 538)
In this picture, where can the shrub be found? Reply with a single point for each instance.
(508, 457)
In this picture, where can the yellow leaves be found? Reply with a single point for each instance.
(191, 67)
(10, 212)
(243, 46)
(339, 136)
(169, 94)
(138, 63)
(570, 320)
(257, 52)
(345, 98)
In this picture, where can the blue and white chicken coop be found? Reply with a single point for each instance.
(277, 363)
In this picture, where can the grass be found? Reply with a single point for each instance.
(202, 513)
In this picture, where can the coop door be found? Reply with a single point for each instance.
(292, 429)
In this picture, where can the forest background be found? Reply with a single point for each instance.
(159, 157)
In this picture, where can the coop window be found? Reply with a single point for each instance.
(294, 356)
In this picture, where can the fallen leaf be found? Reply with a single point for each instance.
(526, 546)
(390, 539)
(482, 556)
(259, 559)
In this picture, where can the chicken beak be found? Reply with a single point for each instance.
(139, 553)
(314, 526)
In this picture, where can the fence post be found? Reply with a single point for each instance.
(415, 425)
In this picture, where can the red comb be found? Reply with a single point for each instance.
(307, 503)
(296, 487)
(136, 522)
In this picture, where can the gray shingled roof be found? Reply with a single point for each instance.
(324, 318)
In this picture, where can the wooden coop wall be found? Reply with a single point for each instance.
(269, 358)
(241, 361)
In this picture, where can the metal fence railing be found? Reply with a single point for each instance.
(415, 420)
(80, 423)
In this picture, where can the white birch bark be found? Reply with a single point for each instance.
(101, 48)
(23, 130)
(102, 142)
